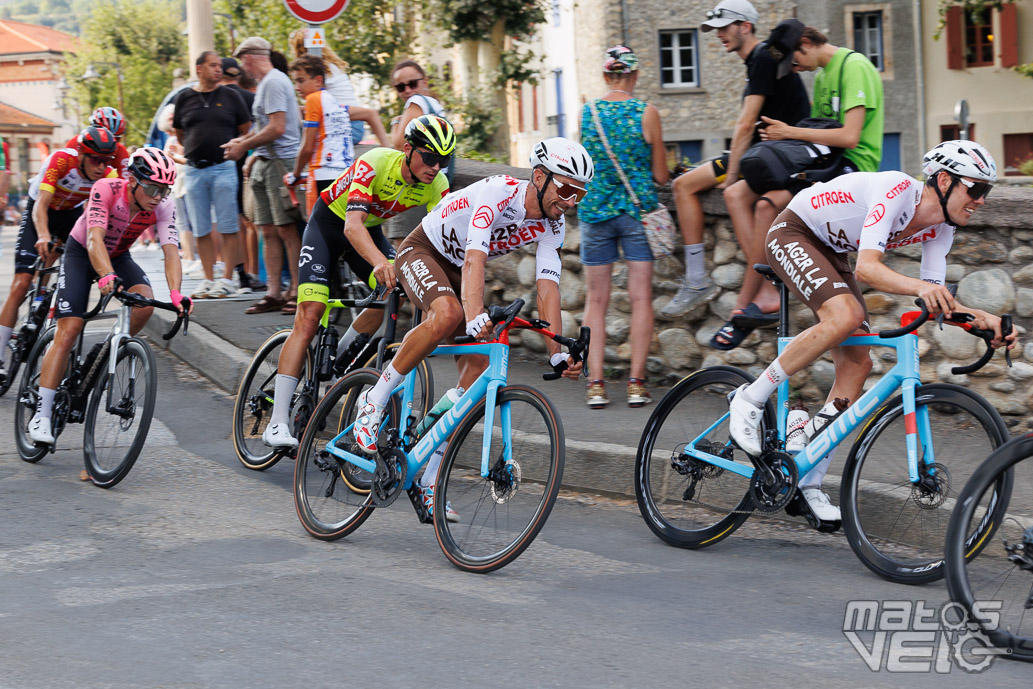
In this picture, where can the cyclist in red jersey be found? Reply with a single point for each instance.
(118, 211)
(112, 120)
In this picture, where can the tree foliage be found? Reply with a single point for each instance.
(142, 40)
(472, 20)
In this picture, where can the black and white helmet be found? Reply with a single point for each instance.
(961, 159)
(564, 157)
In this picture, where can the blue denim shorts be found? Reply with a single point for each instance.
(599, 241)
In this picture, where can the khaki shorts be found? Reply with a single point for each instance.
(268, 189)
(424, 273)
(809, 268)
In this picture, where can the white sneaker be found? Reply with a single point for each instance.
(819, 503)
(744, 424)
(39, 431)
(244, 291)
(203, 289)
(367, 425)
(221, 289)
(278, 435)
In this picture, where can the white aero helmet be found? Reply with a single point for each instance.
(564, 157)
(961, 159)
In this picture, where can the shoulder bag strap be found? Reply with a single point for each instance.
(842, 68)
(613, 159)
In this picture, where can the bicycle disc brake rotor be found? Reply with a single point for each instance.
(774, 480)
(933, 486)
(504, 481)
(388, 478)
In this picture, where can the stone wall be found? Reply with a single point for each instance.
(992, 262)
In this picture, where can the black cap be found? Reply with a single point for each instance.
(230, 67)
(783, 41)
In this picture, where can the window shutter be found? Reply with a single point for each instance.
(955, 31)
(1009, 40)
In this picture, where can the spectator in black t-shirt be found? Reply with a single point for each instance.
(207, 116)
(735, 23)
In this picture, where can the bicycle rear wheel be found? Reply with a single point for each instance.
(685, 501)
(28, 397)
(254, 403)
(326, 505)
(119, 414)
(500, 515)
(897, 528)
(996, 588)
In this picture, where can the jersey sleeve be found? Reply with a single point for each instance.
(934, 255)
(548, 265)
(313, 110)
(165, 222)
(883, 212)
(360, 190)
(858, 89)
(60, 164)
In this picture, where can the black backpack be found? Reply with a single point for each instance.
(769, 165)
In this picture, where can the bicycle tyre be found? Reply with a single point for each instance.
(134, 365)
(894, 528)
(254, 403)
(18, 348)
(967, 574)
(500, 517)
(720, 503)
(28, 395)
(327, 507)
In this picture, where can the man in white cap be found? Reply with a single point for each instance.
(275, 139)
(735, 23)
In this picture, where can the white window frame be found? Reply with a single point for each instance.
(676, 66)
(887, 32)
(869, 33)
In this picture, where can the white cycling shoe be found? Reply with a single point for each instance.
(39, 431)
(744, 422)
(819, 503)
(367, 425)
(278, 435)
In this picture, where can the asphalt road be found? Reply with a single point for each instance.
(195, 572)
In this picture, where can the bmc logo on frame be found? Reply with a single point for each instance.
(913, 636)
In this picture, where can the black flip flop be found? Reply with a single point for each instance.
(752, 317)
(731, 332)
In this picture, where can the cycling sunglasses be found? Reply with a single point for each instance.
(412, 84)
(717, 14)
(156, 191)
(100, 160)
(569, 192)
(430, 159)
(976, 190)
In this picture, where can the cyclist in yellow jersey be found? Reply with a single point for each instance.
(344, 223)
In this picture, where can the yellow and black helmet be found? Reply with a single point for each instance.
(433, 132)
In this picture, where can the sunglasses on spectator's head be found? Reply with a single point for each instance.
(976, 190)
(717, 14)
(430, 159)
(569, 192)
(100, 160)
(156, 191)
(411, 84)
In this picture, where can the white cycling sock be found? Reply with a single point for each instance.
(695, 267)
(814, 477)
(433, 464)
(5, 336)
(760, 390)
(389, 380)
(45, 407)
(346, 340)
(282, 393)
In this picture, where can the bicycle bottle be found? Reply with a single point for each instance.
(447, 401)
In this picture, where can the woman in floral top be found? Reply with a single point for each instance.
(608, 217)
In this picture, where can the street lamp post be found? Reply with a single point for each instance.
(229, 20)
(92, 74)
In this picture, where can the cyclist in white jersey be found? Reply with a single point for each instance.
(867, 213)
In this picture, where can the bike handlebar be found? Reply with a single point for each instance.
(139, 300)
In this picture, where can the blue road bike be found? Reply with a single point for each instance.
(695, 486)
(501, 471)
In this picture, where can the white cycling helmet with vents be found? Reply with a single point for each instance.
(564, 157)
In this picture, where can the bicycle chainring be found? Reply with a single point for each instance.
(303, 407)
(774, 480)
(933, 486)
(388, 478)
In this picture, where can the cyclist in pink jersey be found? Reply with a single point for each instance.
(117, 212)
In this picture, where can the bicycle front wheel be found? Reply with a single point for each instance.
(16, 350)
(119, 414)
(996, 588)
(685, 501)
(896, 527)
(254, 404)
(28, 397)
(499, 515)
(325, 502)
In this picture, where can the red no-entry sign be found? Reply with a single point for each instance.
(315, 11)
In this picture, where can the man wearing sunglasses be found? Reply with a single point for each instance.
(868, 213)
(55, 204)
(442, 263)
(117, 213)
